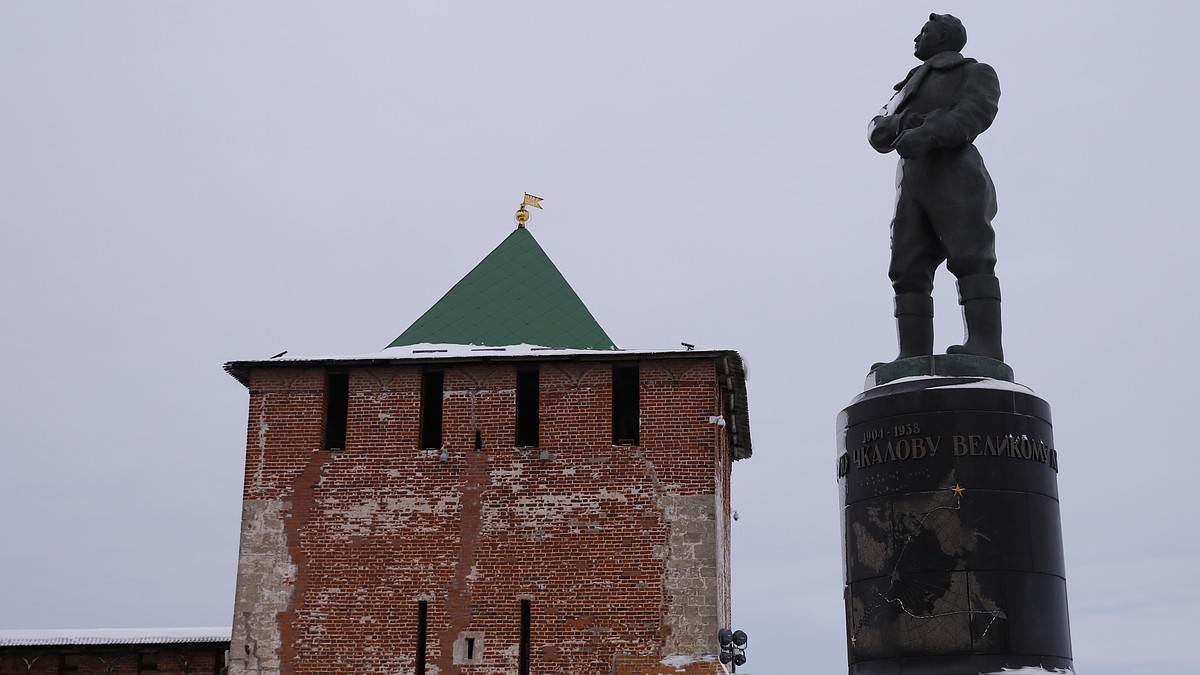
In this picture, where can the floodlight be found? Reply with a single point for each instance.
(725, 637)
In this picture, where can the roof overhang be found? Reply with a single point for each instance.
(112, 636)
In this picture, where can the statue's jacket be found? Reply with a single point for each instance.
(945, 198)
(949, 100)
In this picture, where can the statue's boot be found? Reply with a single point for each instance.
(979, 296)
(914, 325)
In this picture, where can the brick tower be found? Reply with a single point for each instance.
(499, 491)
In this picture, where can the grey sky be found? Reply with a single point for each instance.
(183, 184)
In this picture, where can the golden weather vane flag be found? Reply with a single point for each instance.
(522, 213)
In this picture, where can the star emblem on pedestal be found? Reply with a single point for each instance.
(958, 490)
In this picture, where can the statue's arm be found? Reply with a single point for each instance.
(970, 115)
(882, 132)
(885, 129)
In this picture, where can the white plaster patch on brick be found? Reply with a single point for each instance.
(721, 519)
(652, 474)
(443, 506)
(460, 648)
(363, 510)
(690, 575)
(263, 428)
(473, 394)
(513, 475)
(511, 653)
(392, 515)
(265, 580)
(683, 660)
(357, 518)
(549, 506)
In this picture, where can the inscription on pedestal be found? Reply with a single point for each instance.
(904, 442)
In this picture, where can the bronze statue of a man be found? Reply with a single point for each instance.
(945, 201)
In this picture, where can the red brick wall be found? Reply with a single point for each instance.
(117, 660)
(621, 551)
(641, 665)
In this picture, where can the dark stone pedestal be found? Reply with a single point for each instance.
(953, 556)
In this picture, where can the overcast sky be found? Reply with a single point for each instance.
(183, 184)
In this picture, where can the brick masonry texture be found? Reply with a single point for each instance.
(207, 659)
(622, 552)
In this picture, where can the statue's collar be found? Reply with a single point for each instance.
(942, 61)
(947, 60)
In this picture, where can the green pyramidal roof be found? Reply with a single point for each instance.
(515, 295)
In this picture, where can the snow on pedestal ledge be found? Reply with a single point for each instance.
(1031, 670)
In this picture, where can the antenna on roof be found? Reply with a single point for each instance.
(523, 215)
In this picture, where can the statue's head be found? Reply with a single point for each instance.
(942, 33)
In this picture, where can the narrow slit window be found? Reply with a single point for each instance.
(626, 405)
(422, 627)
(528, 391)
(337, 409)
(523, 652)
(468, 648)
(431, 408)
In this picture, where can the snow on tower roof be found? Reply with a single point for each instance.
(112, 636)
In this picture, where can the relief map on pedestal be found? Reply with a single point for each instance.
(938, 609)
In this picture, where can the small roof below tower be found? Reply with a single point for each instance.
(513, 296)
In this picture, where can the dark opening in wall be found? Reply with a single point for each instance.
(422, 627)
(528, 391)
(431, 408)
(523, 652)
(148, 663)
(337, 408)
(626, 404)
(468, 648)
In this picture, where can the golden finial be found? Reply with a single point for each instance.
(522, 214)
